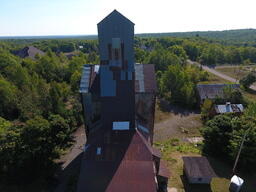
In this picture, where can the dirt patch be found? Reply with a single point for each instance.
(178, 123)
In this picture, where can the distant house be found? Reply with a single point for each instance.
(213, 91)
(228, 108)
(69, 55)
(29, 51)
(198, 170)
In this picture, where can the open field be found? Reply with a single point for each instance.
(213, 79)
(236, 72)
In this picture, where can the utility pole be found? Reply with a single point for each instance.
(240, 149)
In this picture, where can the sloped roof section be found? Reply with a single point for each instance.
(212, 91)
(145, 80)
(121, 167)
(229, 108)
(29, 51)
(198, 167)
(163, 170)
(85, 80)
(113, 14)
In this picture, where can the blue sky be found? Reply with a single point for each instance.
(71, 17)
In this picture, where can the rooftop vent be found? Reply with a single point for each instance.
(228, 103)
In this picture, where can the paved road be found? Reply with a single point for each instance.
(219, 74)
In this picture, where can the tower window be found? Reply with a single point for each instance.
(98, 151)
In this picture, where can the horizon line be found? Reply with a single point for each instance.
(88, 35)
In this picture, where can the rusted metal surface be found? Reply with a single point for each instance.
(163, 169)
(145, 78)
(121, 167)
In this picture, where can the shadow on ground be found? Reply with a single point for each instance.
(165, 106)
(224, 170)
(68, 176)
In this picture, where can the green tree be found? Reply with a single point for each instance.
(75, 80)
(206, 109)
(4, 125)
(248, 80)
(179, 51)
(217, 134)
(8, 103)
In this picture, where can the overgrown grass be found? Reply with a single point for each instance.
(235, 72)
(220, 185)
(172, 151)
(213, 79)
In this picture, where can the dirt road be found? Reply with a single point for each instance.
(217, 73)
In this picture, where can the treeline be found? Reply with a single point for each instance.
(39, 109)
(238, 37)
(201, 50)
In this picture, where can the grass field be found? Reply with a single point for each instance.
(213, 79)
(235, 72)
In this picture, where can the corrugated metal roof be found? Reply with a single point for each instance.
(145, 80)
(85, 79)
(212, 91)
(163, 170)
(122, 166)
(139, 77)
(229, 108)
(198, 167)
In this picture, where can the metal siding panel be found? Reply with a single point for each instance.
(85, 79)
(107, 84)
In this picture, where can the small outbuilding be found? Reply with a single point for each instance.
(236, 184)
(229, 108)
(213, 91)
(198, 170)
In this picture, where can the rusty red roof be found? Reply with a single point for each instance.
(120, 166)
(163, 169)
